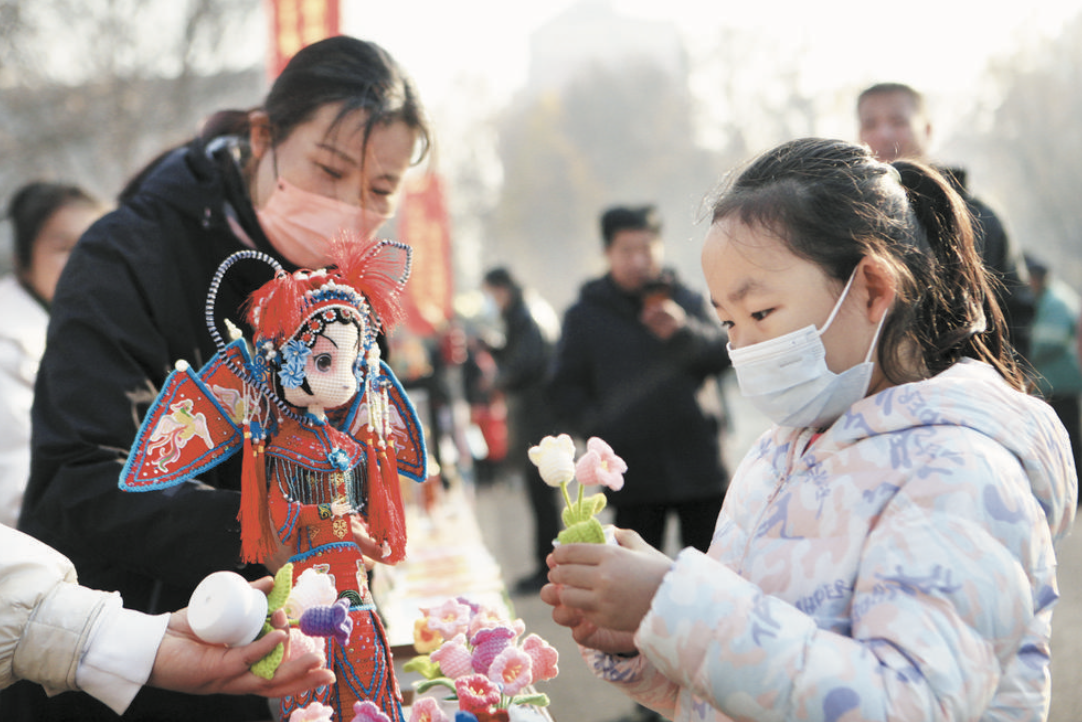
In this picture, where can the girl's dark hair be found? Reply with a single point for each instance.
(833, 204)
(31, 208)
(358, 74)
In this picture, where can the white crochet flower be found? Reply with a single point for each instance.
(555, 459)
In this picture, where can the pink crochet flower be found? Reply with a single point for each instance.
(600, 465)
(510, 670)
(449, 618)
(427, 709)
(454, 658)
(367, 711)
(487, 644)
(301, 644)
(543, 656)
(476, 692)
(315, 712)
(488, 618)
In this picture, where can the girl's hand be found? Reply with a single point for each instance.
(341, 507)
(610, 586)
(583, 632)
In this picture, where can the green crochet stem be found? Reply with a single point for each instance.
(580, 523)
(567, 498)
(439, 681)
(538, 699)
(283, 585)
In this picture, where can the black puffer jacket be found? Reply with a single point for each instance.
(656, 403)
(130, 303)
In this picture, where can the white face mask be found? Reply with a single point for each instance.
(787, 377)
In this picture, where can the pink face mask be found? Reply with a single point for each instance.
(301, 225)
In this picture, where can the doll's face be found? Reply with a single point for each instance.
(328, 369)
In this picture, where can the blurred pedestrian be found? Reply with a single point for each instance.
(325, 154)
(523, 361)
(47, 219)
(1054, 348)
(894, 123)
(887, 548)
(637, 365)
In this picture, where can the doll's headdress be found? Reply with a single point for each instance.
(365, 283)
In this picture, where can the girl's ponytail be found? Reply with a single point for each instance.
(957, 315)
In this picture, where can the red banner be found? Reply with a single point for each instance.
(424, 223)
(296, 23)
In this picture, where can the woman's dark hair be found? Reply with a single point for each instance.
(358, 74)
(31, 208)
(833, 204)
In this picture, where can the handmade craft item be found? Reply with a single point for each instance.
(325, 429)
(477, 654)
(554, 458)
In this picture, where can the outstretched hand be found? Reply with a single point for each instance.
(602, 592)
(185, 663)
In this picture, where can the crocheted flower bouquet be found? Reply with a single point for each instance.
(474, 651)
(599, 466)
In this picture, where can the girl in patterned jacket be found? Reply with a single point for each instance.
(886, 549)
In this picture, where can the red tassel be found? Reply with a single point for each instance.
(256, 534)
(386, 517)
(392, 488)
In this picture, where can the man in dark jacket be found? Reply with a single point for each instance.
(637, 365)
(894, 124)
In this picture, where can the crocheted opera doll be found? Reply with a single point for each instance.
(325, 429)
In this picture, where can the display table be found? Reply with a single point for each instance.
(445, 557)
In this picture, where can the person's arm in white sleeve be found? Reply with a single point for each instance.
(67, 637)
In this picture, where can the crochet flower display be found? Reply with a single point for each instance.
(477, 655)
(554, 458)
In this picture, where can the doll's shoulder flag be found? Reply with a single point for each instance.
(194, 423)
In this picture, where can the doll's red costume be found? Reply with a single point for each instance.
(306, 474)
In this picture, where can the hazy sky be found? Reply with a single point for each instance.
(939, 45)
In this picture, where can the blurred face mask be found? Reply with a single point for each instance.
(787, 377)
(301, 224)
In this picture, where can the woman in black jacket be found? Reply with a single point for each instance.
(326, 152)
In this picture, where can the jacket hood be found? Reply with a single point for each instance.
(185, 178)
(972, 394)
